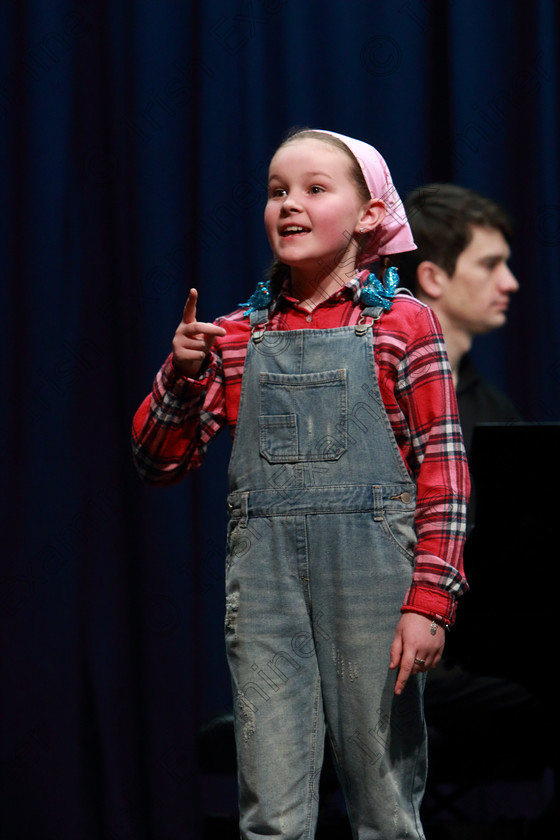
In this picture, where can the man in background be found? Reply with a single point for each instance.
(461, 271)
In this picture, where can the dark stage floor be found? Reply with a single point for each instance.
(521, 829)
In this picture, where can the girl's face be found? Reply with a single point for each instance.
(314, 209)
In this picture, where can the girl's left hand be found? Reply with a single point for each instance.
(414, 649)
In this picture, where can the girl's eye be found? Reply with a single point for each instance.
(277, 192)
(316, 189)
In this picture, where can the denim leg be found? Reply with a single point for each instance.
(278, 706)
(358, 581)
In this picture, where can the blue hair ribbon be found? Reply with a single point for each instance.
(377, 293)
(260, 299)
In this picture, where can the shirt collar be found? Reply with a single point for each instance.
(350, 289)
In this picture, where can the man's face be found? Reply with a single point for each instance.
(476, 297)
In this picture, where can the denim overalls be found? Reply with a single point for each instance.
(320, 554)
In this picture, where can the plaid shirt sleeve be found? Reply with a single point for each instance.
(425, 393)
(172, 427)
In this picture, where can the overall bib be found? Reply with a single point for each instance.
(320, 554)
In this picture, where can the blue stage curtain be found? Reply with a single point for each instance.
(135, 141)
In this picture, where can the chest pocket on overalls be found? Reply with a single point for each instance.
(302, 416)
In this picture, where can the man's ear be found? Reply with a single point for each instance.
(430, 279)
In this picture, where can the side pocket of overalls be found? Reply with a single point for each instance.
(398, 506)
(238, 541)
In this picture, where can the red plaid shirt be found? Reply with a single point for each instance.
(176, 421)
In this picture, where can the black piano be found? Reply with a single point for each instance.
(504, 624)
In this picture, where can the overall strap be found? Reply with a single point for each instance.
(258, 319)
(373, 312)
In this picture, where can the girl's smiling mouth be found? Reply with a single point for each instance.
(293, 230)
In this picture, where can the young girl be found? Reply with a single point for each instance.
(348, 483)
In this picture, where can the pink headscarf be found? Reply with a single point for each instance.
(393, 235)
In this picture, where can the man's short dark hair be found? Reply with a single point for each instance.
(442, 217)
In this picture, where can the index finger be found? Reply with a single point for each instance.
(404, 673)
(189, 312)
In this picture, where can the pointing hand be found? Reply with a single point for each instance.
(193, 339)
